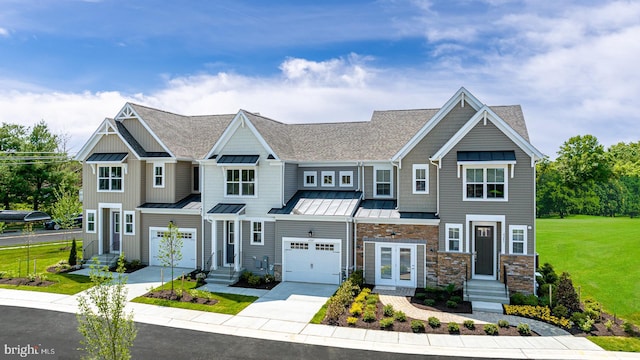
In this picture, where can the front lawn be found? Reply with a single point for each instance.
(230, 304)
(601, 254)
(617, 343)
(13, 263)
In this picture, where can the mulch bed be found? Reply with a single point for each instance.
(406, 326)
(186, 297)
(27, 282)
(263, 286)
(128, 269)
(599, 329)
(463, 307)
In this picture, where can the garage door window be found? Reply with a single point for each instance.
(325, 247)
(299, 246)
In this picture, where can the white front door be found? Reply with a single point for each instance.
(396, 264)
(115, 231)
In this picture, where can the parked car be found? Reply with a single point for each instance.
(55, 223)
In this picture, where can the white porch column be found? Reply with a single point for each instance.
(214, 244)
(236, 244)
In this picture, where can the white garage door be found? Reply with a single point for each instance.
(188, 247)
(311, 260)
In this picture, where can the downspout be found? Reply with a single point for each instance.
(282, 182)
(364, 193)
(202, 202)
(355, 245)
(348, 246)
(397, 183)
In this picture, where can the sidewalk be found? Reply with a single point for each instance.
(251, 322)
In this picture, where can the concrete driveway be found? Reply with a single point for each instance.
(291, 302)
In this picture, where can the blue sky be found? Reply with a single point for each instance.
(572, 65)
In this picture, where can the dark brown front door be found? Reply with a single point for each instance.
(484, 250)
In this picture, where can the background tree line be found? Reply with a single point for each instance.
(587, 179)
(34, 167)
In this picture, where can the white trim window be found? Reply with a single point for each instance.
(518, 239)
(420, 178)
(90, 226)
(110, 178)
(453, 234)
(158, 175)
(240, 182)
(129, 222)
(485, 183)
(328, 178)
(257, 233)
(383, 182)
(346, 178)
(310, 178)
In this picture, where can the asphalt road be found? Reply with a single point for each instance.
(17, 238)
(56, 332)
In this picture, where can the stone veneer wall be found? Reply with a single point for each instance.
(419, 232)
(520, 272)
(453, 268)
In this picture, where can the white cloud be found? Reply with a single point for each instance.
(4, 32)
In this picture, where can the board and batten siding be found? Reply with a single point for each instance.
(142, 135)
(183, 172)
(336, 178)
(268, 177)
(420, 154)
(290, 181)
(321, 230)
(162, 220)
(370, 262)
(259, 251)
(518, 210)
(164, 194)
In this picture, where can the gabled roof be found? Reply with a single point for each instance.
(107, 127)
(188, 137)
(487, 114)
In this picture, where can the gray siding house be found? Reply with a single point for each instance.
(412, 198)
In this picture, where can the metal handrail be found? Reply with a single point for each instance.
(208, 263)
(86, 247)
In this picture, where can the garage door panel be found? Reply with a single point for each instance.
(189, 255)
(312, 260)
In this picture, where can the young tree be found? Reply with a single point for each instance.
(170, 252)
(73, 253)
(65, 209)
(108, 331)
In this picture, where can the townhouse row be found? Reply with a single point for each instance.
(411, 197)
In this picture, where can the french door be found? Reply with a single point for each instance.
(396, 264)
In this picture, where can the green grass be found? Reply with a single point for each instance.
(13, 260)
(617, 343)
(601, 254)
(319, 316)
(230, 304)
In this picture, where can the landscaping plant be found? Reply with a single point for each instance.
(170, 252)
(417, 326)
(491, 329)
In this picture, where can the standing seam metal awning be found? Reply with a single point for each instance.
(23, 216)
(509, 155)
(222, 208)
(107, 157)
(238, 160)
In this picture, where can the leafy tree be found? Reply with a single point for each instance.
(170, 252)
(582, 160)
(625, 159)
(65, 209)
(12, 188)
(552, 194)
(108, 331)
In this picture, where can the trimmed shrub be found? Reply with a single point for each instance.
(386, 323)
(400, 316)
(429, 302)
(609, 325)
(503, 323)
(371, 307)
(417, 326)
(517, 299)
(369, 316)
(549, 276)
(254, 280)
(531, 300)
(542, 313)
(456, 298)
(372, 299)
(357, 278)
(491, 329)
(388, 310)
(450, 288)
(420, 296)
(73, 253)
(560, 311)
(351, 321)
(334, 310)
(434, 322)
(469, 324)
(452, 304)
(245, 275)
(628, 327)
(567, 294)
(592, 308)
(524, 329)
(453, 328)
(356, 309)
(578, 318)
(587, 325)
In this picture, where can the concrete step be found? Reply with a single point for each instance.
(107, 260)
(484, 284)
(489, 298)
(489, 291)
(492, 292)
(223, 276)
(487, 307)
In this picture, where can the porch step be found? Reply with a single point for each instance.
(108, 260)
(224, 276)
(487, 307)
(488, 291)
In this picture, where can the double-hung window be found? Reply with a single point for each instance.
(257, 233)
(453, 233)
(129, 223)
(241, 182)
(110, 178)
(91, 221)
(158, 175)
(382, 178)
(346, 178)
(486, 183)
(420, 178)
(518, 239)
(310, 178)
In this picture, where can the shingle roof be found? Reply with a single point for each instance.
(186, 136)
